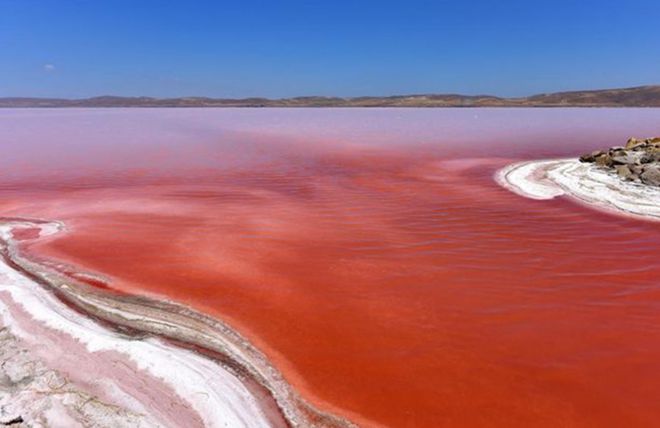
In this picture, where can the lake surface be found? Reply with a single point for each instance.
(368, 252)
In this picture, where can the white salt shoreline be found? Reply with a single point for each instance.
(152, 382)
(215, 396)
(586, 183)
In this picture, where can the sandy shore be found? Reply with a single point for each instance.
(583, 182)
(115, 360)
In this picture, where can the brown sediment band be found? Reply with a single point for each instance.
(139, 317)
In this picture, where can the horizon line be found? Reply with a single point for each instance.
(328, 97)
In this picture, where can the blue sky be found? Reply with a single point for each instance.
(69, 48)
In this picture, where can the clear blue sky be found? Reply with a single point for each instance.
(69, 48)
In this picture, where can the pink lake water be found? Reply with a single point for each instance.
(368, 252)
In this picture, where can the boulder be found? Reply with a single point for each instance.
(647, 158)
(651, 175)
(626, 158)
(591, 157)
(653, 148)
(633, 142)
(604, 160)
(624, 172)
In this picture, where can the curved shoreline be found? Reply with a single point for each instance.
(218, 377)
(586, 183)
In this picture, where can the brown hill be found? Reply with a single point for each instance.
(642, 96)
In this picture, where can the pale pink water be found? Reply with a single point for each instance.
(369, 253)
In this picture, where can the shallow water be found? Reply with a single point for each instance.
(368, 252)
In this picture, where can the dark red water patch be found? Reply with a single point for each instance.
(396, 285)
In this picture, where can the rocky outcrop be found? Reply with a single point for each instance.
(638, 161)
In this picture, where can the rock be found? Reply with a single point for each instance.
(651, 175)
(646, 158)
(638, 161)
(626, 158)
(653, 148)
(633, 142)
(636, 169)
(624, 172)
(604, 160)
(591, 157)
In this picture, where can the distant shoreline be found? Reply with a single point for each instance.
(642, 96)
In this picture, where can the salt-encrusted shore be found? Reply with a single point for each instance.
(584, 182)
(75, 355)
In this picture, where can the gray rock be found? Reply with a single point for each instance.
(651, 175)
(635, 170)
(646, 158)
(627, 158)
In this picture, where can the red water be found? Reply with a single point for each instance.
(368, 253)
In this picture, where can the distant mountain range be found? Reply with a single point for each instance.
(643, 96)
